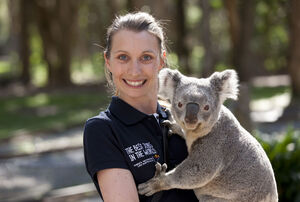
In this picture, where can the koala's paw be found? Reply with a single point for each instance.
(169, 125)
(174, 128)
(156, 183)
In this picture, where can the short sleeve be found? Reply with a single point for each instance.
(101, 149)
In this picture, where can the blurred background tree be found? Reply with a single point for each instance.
(57, 25)
(251, 36)
(51, 43)
(293, 59)
(51, 62)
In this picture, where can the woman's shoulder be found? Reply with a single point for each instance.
(102, 117)
(98, 124)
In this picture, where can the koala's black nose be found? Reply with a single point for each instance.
(192, 110)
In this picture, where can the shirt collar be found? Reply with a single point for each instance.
(128, 114)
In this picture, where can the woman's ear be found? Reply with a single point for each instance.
(162, 60)
(107, 62)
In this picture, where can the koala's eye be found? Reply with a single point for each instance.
(206, 107)
(179, 104)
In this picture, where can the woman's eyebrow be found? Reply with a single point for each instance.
(120, 51)
(147, 51)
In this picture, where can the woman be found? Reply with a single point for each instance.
(123, 143)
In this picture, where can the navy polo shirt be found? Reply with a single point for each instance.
(123, 137)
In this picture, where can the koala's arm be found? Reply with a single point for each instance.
(195, 171)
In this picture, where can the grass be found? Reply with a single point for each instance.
(48, 111)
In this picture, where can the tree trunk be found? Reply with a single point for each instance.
(57, 25)
(24, 17)
(209, 57)
(181, 47)
(243, 57)
(234, 22)
(13, 42)
(115, 8)
(294, 54)
(241, 20)
(292, 112)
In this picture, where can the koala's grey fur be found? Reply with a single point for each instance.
(225, 162)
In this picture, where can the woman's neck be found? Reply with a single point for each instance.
(145, 105)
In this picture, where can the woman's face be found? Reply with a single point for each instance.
(134, 62)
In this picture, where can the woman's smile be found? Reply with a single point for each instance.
(135, 83)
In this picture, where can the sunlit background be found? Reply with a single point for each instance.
(52, 80)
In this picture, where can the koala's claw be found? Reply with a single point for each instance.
(160, 169)
(153, 185)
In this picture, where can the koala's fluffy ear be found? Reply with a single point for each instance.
(168, 81)
(226, 84)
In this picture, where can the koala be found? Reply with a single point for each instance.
(224, 162)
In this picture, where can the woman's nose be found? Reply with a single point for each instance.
(134, 68)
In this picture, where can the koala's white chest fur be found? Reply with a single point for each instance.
(191, 136)
(189, 139)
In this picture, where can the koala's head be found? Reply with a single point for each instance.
(195, 103)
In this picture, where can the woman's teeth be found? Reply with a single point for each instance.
(134, 83)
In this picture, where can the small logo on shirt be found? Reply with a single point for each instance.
(156, 157)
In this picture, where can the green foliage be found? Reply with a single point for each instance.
(197, 58)
(271, 37)
(48, 111)
(173, 60)
(9, 66)
(38, 65)
(4, 67)
(88, 70)
(221, 67)
(193, 17)
(4, 21)
(216, 4)
(284, 154)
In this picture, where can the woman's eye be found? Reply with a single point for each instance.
(146, 57)
(123, 57)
